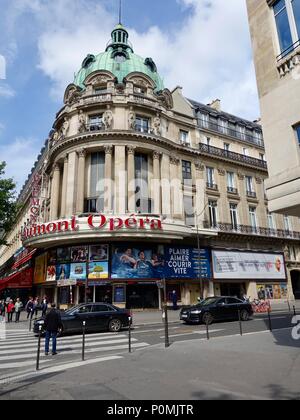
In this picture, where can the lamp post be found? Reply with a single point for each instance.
(197, 215)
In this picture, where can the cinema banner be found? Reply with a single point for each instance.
(248, 266)
(187, 263)
(138, 263)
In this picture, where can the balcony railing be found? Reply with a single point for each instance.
(211, 186)
(215, 151)
(209, 125)
(251, 194)
(232, 190)
(251, 230)
(95, 126)
(288, 50)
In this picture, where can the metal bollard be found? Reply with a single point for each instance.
(289, 306)
(240, 322)
(294, 308)
(207, 330)
(129, 335)
(39, 349)
(83, 340)
(270, 320)
(30, 325)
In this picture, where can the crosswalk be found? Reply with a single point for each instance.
(18, 349)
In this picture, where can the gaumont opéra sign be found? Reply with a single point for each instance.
(94, 222)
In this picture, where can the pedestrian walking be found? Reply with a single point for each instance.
(174, 300)
(44, 307)
(18, 309)
(2, 311)
(36, 307)
(52, 325)
(29, 308)
(10, 311)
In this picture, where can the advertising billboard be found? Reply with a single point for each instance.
(138, 263)
(78, 271)
(40, 269)
(188, 263)
(248, 265)
(98, 270)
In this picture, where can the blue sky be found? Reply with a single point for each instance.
(202, 45)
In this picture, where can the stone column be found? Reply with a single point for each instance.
(200, 199)
(131, 179)
(120, 180)
(64, 187)
(80, 181)
(165, 186)
(71, 184)
(243, 207)
(55, 193)
(108, 179)
(156, 186)
(176, 189)
(223, 205)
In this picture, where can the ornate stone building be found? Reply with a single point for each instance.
(137, 183)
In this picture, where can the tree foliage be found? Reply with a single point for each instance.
(8, 206)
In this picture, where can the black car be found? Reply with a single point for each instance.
(217, 309)
(97, 316)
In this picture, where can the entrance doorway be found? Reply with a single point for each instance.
(233, 289)
(103, 294)
(295, 275)
(142, 296)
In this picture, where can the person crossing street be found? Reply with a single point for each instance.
(52, 325)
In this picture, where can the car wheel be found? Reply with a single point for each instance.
(115, 325)
(207, 318)
(245, 316)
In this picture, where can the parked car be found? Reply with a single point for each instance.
(98, 317)
(217, 309)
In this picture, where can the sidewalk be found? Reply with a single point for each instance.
(252, 367)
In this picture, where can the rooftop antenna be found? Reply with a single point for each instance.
(120, 12)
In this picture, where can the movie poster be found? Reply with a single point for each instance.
(79, 254)
(51, 273)
(98, 270)
(63, 255)
(99, 253)
(63, 272)
(78, 271)
(138, 263)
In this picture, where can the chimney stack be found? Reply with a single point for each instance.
(216, 104)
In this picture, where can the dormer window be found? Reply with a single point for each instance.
(140, 90)
(184, 137)
(100, 90)
(120, 58)
(90, 59)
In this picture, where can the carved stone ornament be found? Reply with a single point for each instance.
(108, 150)
(82, 122)
(131, 150)
(199, 166)
(241, 176)
(55, 138)
(156, 127)
(139, 82)
(131, 120)
(108, 119)
(82, 153)
(258, 180)
(174, 161)
(99, 80)
(165, 98)
(65, 127)
(156, 155)
(221, 172)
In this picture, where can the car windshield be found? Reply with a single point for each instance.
(209, 301)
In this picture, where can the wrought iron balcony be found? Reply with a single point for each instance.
(251, 230)
(95, 126)
(232, 190)
(227, 131)
(211, 186)
(215, 151)
(251, 194)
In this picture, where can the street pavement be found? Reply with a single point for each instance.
(256, 366)
(18, 347)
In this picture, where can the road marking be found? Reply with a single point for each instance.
(193, 333)
(57, 369)
(88, 338)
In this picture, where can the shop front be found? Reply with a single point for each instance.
(256, 275)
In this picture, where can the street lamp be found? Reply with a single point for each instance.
(197, 215)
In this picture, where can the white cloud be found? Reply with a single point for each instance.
(19, 156)
(209, 54)
(6, 91)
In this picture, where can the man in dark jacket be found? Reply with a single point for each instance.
(52, 325)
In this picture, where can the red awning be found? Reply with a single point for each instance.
(3, 283)
(24, 260)
(20, 280)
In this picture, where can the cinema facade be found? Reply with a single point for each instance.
(136, 184)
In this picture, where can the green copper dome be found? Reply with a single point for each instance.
(120, 60)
